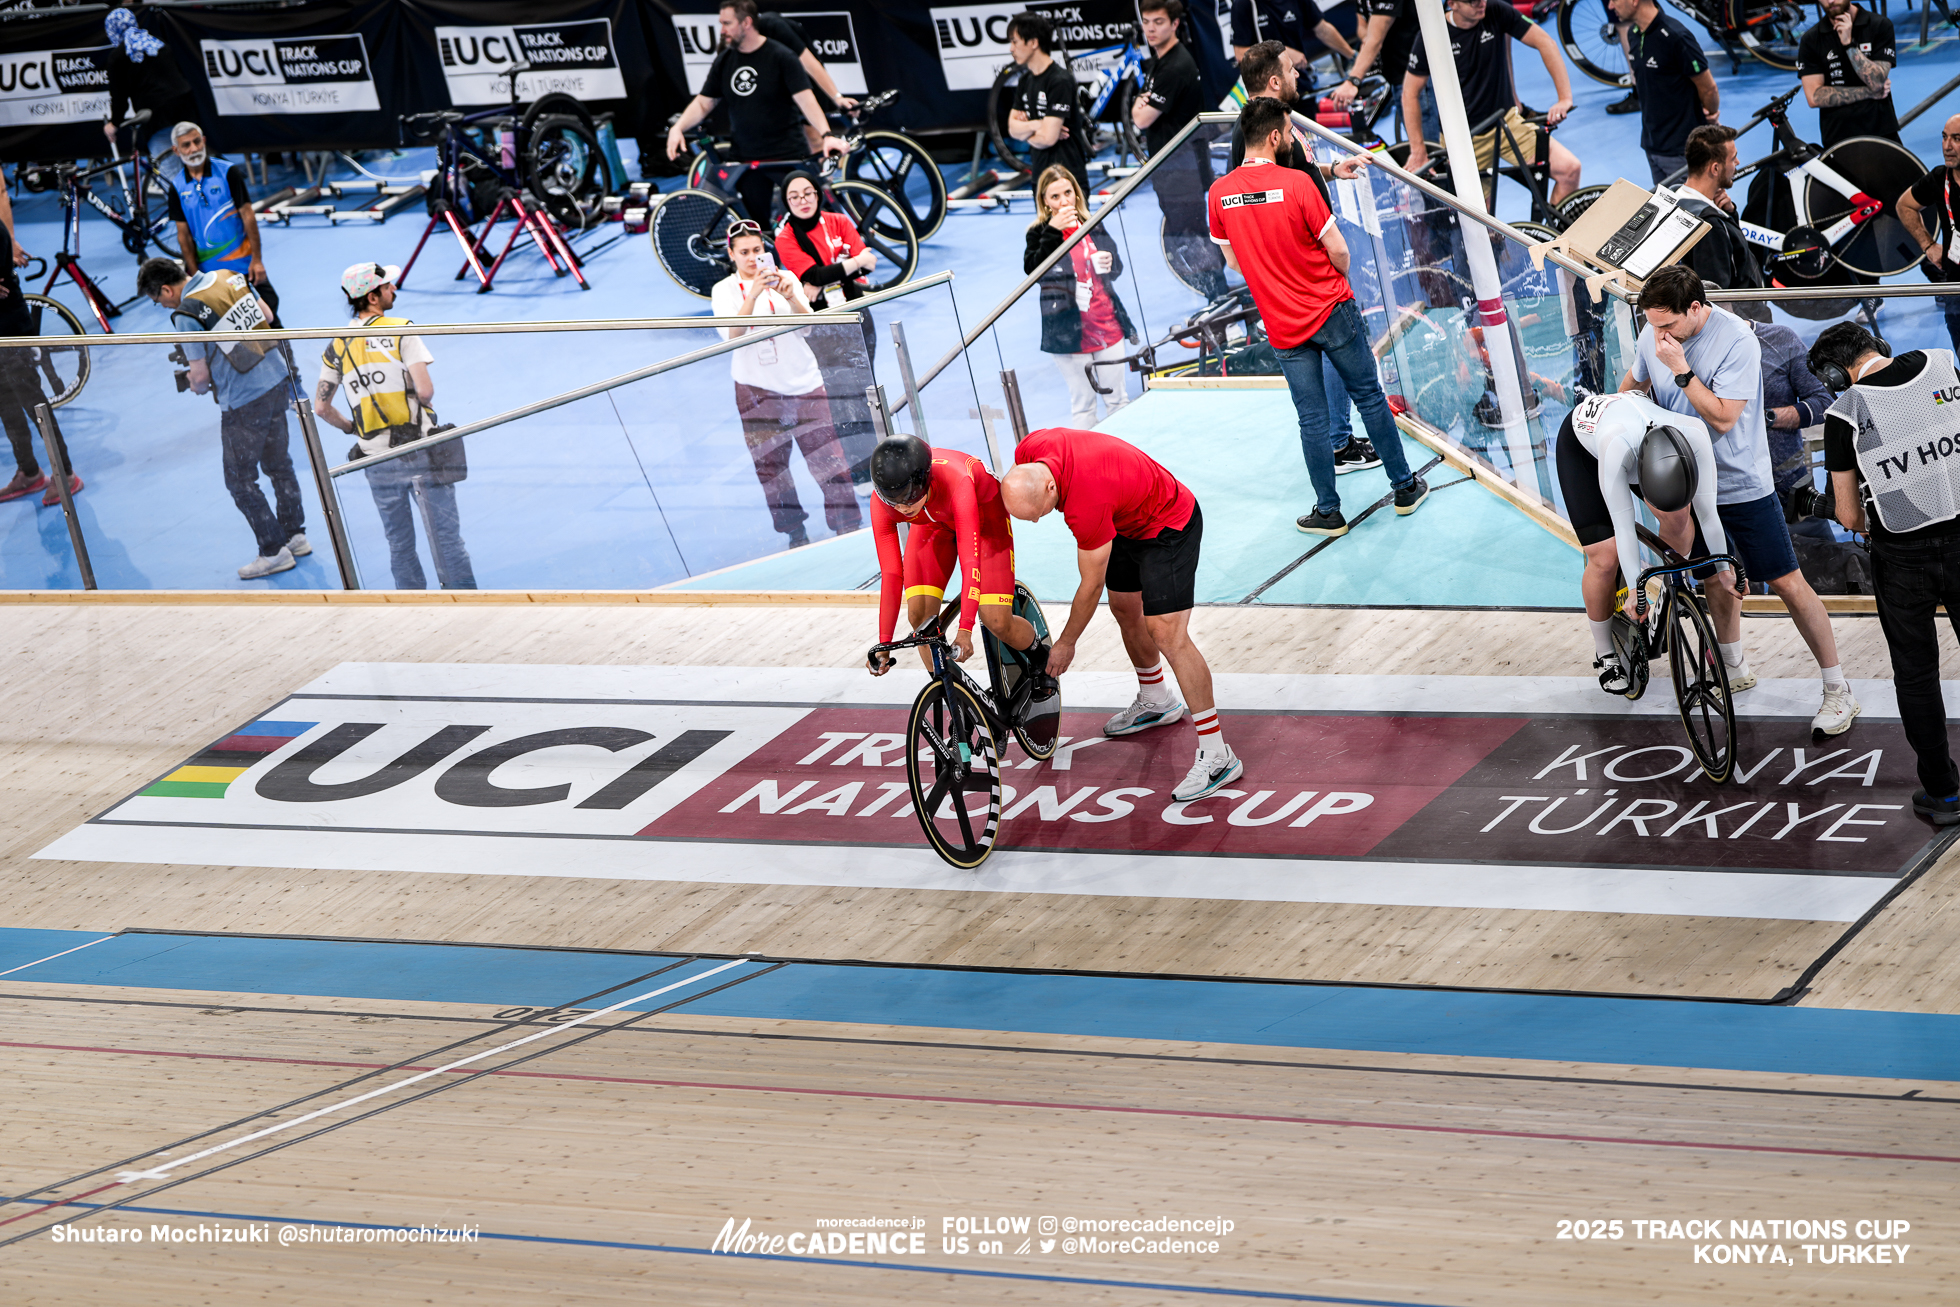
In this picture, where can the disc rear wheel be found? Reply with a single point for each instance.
(1701, 686)
(953, 764)
(1884, 170)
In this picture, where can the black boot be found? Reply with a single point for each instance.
(1631, 104)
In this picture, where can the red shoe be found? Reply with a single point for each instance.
(53, 496)
(22, 485)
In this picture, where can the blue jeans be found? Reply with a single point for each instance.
(1432, 120)
(1341, 342)
(398, 486)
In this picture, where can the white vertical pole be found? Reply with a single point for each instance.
(1462, 152)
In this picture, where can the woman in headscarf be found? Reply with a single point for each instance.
(827, 254)
(143, 75)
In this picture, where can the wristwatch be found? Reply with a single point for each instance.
(1682, 379)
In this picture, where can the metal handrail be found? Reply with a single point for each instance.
(842, 312)
(1089, 224)
(1775, 293)
(827, 317)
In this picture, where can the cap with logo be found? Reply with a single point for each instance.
(362, 278)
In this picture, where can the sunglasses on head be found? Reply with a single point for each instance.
(743, 227)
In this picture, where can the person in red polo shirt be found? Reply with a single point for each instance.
(1276, 231)
(952, 503)
(1137, 529)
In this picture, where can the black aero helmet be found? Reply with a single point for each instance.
(1667, 469)
(901, 470)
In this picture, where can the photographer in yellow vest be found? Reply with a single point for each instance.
(389, 391)
(250, 379)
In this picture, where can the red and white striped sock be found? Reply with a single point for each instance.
(1211, 740)
(1151, 685)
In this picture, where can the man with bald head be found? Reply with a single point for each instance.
(1939, 192)
(1137, 530)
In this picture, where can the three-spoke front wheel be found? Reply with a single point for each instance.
(1701, 686)
(953, 764)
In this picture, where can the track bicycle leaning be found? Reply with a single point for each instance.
(1768, 30)
(689, 228)
(1679, 624)
(958, 729)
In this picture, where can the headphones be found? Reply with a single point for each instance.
(1836, 378)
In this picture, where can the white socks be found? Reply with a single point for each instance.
(1152, 687)
(1211, 740)
(1834, 677)
(1731, 653)
(1602, 636)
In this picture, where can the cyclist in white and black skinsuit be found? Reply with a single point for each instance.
(1599, 449)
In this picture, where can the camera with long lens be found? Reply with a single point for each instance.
(181, 374)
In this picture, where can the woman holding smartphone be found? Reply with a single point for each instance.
(779, 391)
(1083, 323)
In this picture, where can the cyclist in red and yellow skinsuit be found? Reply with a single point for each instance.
(951, 503)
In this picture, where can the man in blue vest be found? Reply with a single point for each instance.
(216, 227)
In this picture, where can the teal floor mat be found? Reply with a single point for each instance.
(1239, 451)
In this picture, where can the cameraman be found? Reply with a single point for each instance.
(250, 378)
(1889, 478)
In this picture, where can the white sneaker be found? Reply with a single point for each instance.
(1741, 678)
(298, 546)
(1208, 774)
(267, 564)
(1142, 715)
(1835, 717)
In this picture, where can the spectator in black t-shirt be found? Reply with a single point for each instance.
(1478, 31)
(1846, 63)
(1172, 96)
(1939, 191)
(1046, 114)
(786, 30)
(1290, 22)
(1388, 35)
(1671, 80)
(1913, 570)
(20, 389)
(768, 96)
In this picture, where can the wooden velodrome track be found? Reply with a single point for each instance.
(1350, 1177)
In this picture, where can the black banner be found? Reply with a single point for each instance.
(340, 73)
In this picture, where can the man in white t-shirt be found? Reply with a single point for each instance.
(1601, 451)
(1700, 361)
(779, 390)
(389, 390)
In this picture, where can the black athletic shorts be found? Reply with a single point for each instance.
(1164, 567)
(1578, 478)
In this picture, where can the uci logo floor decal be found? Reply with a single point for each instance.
(1437, 791)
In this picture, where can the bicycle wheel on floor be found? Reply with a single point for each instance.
(1591, 38)
(953, 759)
(1701, 686)
(882, 222)
(61, 361)
(900, 166)
(690, 238)
(1013, 155)
(1884, 170)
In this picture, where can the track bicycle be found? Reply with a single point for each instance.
(891, 161)
(61, 361)
(690, 227)
(1680, 625)
(549, 148)
(1768, 30)
(956, 734)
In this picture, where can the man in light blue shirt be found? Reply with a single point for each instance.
(1705, 362)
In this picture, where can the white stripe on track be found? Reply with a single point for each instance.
(159, 1172)
(52, 956)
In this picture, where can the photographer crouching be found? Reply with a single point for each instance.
(251, 381)
(1895, 474)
